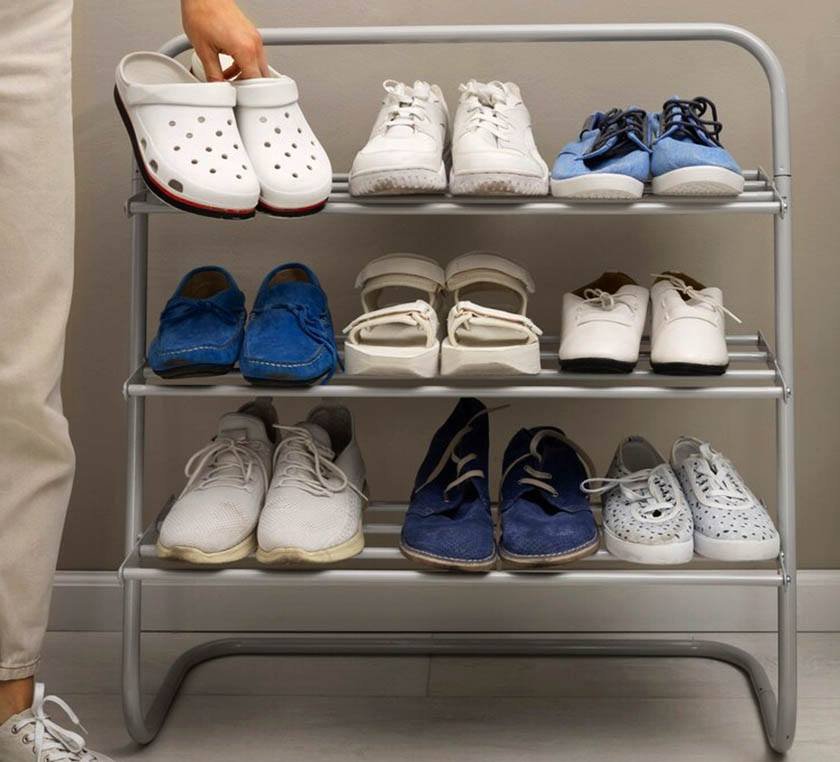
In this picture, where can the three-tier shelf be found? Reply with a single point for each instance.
(757, 370)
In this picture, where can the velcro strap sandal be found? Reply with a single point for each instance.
(398, 339)
(185, 138)
(294, 171)
(483, 339)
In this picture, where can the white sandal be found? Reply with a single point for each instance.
(293, 168)
(399, 339)
(483, 340)
(185, 137)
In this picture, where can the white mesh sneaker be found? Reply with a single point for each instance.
(214, 520)
(730, 523)
(313, 510)
(35, 736)
(645, 517)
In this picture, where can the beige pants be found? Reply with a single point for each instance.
(36, 281)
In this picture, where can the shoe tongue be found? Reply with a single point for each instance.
(319, 433)
(242, 426)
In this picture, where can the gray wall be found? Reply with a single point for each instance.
(561, 84)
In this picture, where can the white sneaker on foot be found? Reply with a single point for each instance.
(406, 150)
(493, 148)
(214, 520)
(730, 522)
(313, 510)
(34, 736)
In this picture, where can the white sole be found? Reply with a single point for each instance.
(361, 360)
(291, 555)
(523, 359)
(598, 185)
(650, 555)
(196, 556)
(497, 184)
(736, 550)
(699, 181)
(398, 181)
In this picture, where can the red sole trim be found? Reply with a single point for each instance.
(302, 211)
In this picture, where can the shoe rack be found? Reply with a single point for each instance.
(757, 371)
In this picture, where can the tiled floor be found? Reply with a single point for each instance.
(315, 709)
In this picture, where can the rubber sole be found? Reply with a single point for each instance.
(687, 369)
(522, 359)
(391, 362)
(596, 365)
(551, 560)
(289, 555)
(497, 184)
(392, 182)
(736, 550)
(196, 556)
(601, 185)
(303, 211)
(698, 181)
(194, 371)
(451, 564)
(162, 193)
(286, 382)
(669, 554)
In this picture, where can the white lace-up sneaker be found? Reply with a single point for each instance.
(688, 328)
(34, 736)
(645, 516)
(313, 510)
(215, 518)
(493, 148)
(730, 523)
(602, 325)
(407, 147)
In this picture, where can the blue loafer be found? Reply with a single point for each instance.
(201, 327)
(545, 517)
(289, 338)
(448, 523)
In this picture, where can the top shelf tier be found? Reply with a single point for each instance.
(759, 197)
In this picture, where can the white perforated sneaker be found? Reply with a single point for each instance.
(35, 736)
(215, 518)
(730, 522)
(407, 148)
(493, 148)
(313, 509)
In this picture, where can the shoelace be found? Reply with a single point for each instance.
(228, 462)
(685, 117)
(639, 489)
(692, 293)
(627, 127)
(484, 114)
(52, 743)
(721, 482)
(540, 479)
(303, 462)
(604, 299)
(406, 109)
(313, 326)
(183, 309)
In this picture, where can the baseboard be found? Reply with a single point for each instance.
(92, 600)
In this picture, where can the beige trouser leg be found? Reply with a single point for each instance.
(36, 280)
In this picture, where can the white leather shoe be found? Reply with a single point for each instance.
(688, 334)
(602, 325)
(407, 147)
(313, 509)
(214, 520)
(493, 148)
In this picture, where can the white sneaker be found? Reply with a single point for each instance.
(730, 523)
(688, 335)
(34, 736)
(493, 148)
(313, 510)
(215, 518)
(602, 325)
(406, 150)
(645, 516)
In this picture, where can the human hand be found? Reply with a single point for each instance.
(219, 26)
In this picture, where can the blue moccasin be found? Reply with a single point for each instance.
(688, 158)
(610, 159)
(201, 326)
(289, 338)
(545, 517)
(448, 523)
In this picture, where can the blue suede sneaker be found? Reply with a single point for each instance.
(610, 159)
(289, 339)
(448, 523)
(688, 159)
(200, 332)
(545, 517)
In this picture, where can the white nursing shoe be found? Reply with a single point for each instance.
(602, 325)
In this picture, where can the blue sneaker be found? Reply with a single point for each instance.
(448, 523)
(289, 338)
(200, 332)
(545, 517)
(688, 159)
(610, 159)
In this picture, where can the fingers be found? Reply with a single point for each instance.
(232, 71)
(249, 56)
(210, 61)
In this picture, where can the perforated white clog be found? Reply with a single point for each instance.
(185, 137)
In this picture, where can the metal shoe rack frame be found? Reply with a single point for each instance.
(756, 372)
